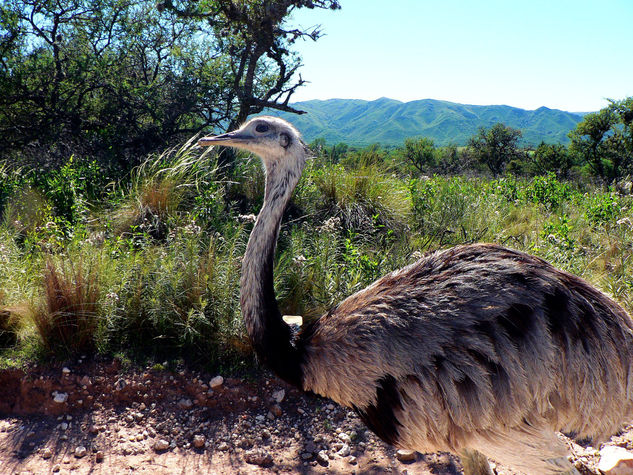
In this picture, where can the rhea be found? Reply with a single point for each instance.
(478, 349)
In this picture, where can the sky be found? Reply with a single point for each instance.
(561, 54)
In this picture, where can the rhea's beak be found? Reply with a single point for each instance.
(234, 138)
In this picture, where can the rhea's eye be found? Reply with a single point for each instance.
(261, 128)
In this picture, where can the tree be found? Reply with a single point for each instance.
(420, 153)
(552, 158)
(117, 79)
(604, 140)
(256, 42)
(495, 146)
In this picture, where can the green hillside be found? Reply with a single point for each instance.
(389, 122)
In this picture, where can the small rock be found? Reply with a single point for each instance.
(216, 382)
(161, 444)
(63, 425)
(330, 407)
(265, 434)
(323, 458)
(65, 370)
(120, 384)
(198, 441)
(258, 457)
(47, 453)
(223, 446)
(616, 461)
(93, 429)
(344, 451)
(276, 410)
(85, 381)
(60, 398)
(56, 468)
(306, 455)
(80, 452)
(185, 403)
(405, 455)
(343, 437)
(352, 460)
(279, 396)
(99, 456)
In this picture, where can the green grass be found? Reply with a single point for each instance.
(150, 270)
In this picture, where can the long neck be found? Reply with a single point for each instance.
(271, 336)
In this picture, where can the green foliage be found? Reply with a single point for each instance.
(495, 147)
(165, 246)
(420, 153)
(603, 208)
(552, 158)
(116, 79)
(604, 140)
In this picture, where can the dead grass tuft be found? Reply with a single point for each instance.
(66, 320)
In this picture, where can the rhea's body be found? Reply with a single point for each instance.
(476, 348)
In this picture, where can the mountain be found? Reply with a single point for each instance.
(390, 122)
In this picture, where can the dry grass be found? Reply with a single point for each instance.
(66, 320)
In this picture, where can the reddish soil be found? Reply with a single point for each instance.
(243, 426)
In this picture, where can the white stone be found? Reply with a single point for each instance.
(344, 451)
(216, 382)
(80, 452)
(65, 370)
(616, 461)
(279, 396)
(60, 398)
(161, 444)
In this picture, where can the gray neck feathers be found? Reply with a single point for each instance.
(270, 335)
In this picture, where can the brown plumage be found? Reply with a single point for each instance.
(476, 348)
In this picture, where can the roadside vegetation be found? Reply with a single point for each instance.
(147, 265)
(119, 236)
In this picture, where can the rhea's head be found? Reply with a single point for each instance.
(273, 139)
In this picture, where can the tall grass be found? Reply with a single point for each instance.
(154, 269)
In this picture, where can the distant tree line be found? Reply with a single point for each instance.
(601, 147)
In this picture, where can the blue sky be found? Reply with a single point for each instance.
(562, 54)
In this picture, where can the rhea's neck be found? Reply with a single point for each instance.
(271, 336)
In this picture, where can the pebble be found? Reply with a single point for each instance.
(185, 403)
(352, 460)
(56, 468)
(198, 441)
(223, 446)
(276, 410)
(161, 444)
(344, 451)
(343, 437)
(80, 452)
(65, 370)
(216, 382)
(63, 425)
(47, 453)
(323, 458)
(405, 455)
(60, 398)
(99, 456)
(279, 396)
(258, 457)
